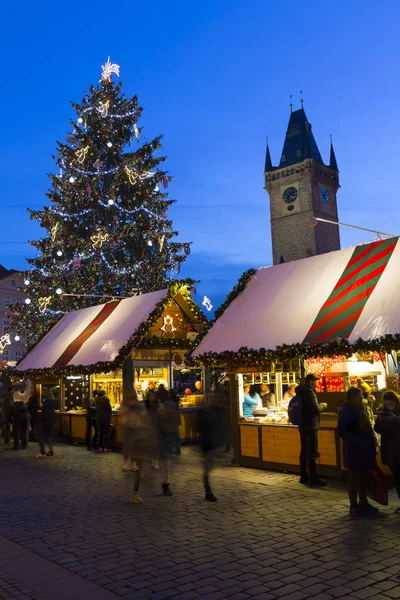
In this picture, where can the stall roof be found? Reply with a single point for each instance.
(348, 294)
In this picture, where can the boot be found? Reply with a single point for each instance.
(166, 490)
(210, 497)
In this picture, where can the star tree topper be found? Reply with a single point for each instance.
(107, 70)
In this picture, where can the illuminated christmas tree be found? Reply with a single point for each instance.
(108, 233)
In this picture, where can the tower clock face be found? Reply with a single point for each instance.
(324, 195)
(290, 195)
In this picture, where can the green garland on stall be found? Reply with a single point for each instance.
(238, 289)
(139, 337)
(248, 357)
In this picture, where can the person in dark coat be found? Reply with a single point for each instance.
(91, 421)
(308, 430)
(45, 424)
(359, 450)
(152, 405)
(388, 426)
(33, 408)
(7, 402)
(104, 414)
(20, 424)
(169, 420)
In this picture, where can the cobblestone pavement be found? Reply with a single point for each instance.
(68, 531)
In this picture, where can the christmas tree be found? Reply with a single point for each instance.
(108, 234)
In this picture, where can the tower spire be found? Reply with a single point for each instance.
(332, 159)
(291, 104)
(268, 161)
(301, 98)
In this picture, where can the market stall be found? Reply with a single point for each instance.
(118, 346)
(336, 315)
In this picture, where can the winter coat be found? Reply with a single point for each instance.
(311, 408)
(7, 402)
(103, 404)
(152, 401)
(19, 413)
(49, 409)
(248, 404)
(359, 451)
(389, 429)
(91, 408)
(140, 435)
(162, 395)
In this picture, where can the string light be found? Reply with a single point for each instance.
(58, 291)
(110, 202)
(80, 120)
(71, 179)
(59, 253)
(109, 144)
(28, 300)
(26, 282)
(17, 338)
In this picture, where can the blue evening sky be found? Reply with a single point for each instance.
(215, 78)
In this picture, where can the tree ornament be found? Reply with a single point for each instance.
(136, 132)
(43, 303)
(187, 250)
(81, 154)
(98, 164)
(88, 192)
(165, 181)
(98, 239)
(76, 263)
(70, 138)
(107, 69)
(161, 240)
(53, 231)
(5, 341)
(132, 175)
(103, 108)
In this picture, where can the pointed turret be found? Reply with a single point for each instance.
(332, 160)
(299, 142)
(268, 161)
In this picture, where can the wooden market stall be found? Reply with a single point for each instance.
(118, 346)
(336, 315)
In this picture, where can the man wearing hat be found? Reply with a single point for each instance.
(308, 429)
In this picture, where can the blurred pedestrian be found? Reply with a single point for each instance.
(129, 407)
(33, 409)
(45, 424)
(143, 443)
(91, 421)
(359, 451)
(7, 401)
(210, 427)
(388, 426)
(176, 437)
(152, 405)
(104, 414)
(169, 420)
(20, 425)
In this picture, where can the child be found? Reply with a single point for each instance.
(388, 425)
(359, 452)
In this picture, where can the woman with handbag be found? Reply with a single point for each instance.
(388, 426)
(359, 451)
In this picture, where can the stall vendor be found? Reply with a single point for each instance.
(267, 397)
(248, 403)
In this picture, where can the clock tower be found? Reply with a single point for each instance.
(301, 188)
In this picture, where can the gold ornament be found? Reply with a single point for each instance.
(98, 239)
(53, 231)
(103, 108)
(161, 240)
(81, 154)
(43, 303)
(108, 69)
(132, 175)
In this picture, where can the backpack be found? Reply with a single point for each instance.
(295, 410)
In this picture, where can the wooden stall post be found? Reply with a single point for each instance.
(127, 376)
(234, 397)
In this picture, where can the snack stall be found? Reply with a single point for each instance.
(335, 315)
(117, 346)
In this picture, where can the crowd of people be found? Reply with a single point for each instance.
(150, 419)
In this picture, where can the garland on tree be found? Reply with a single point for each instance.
(139, 338)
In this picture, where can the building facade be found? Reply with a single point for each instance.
(10, 283)
(300, 189)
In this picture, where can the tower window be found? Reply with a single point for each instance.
(298, 153)
(283, 159)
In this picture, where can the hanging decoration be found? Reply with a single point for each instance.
(136, 132)
(53, 231)
(76, 263)
(132, 175)
(103, 108)
(70, 138)
(98, 164)
(98, 239)
(5, 341)
(107, 69)
(161, 240)
(43, 303)
(165, 181)
(88, 192)
(81, 154)
(207, 303)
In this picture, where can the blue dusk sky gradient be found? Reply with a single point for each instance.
(214, 77)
